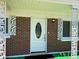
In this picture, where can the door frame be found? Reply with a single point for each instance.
(45, 31)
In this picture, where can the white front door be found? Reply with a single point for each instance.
(38, 35)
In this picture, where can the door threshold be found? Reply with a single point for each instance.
(39, 52)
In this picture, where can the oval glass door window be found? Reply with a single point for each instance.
(38, 30)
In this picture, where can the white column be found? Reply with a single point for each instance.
(74, 31)
(2, 30)
(2, 48)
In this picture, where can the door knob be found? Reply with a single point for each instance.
(48, 32)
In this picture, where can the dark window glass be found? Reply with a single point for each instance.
(78, 29)
(66, 28)
(6, 25)
(38, 30)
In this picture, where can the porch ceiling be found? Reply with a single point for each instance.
(38, 8)
(68, 2)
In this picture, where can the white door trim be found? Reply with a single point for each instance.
(45, 32)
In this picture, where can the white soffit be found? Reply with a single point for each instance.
(68, 2)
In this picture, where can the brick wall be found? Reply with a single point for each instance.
(20, 44)
(53, 44)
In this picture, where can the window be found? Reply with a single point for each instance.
(65, 31)
(38, 30)
(78, 29)
(6, 25)
(10, 23)
(7, 28)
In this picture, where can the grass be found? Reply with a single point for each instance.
(65, 57)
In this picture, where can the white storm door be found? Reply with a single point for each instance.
(38, 35)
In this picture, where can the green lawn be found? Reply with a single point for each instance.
(65, 57)
(17, 58)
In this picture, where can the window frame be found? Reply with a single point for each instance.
(9, 33)
(60, 35)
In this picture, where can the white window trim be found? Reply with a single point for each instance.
(60, 31)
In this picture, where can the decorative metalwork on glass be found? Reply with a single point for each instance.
(2, 18)
(2, 25)
(12, 25)
(59, 29)
(38, 30)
